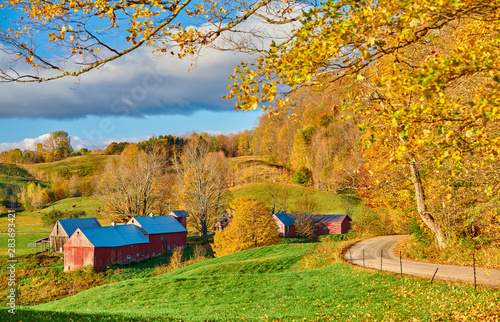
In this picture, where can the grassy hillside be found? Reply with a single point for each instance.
(326, 203)
(248, 169)
(14, 171)
(82, 166)
(271, 284)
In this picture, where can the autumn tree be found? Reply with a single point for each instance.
(85, 35)
(201, 185)
(133, 185)
(252, 226)
(58, 144)
(304, 224)
(423, 78)
(279, 198)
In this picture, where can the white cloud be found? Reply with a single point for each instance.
(26, 144)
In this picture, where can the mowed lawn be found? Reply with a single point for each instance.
(267, 284)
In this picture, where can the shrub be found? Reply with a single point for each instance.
(302, 176)
(52, 216)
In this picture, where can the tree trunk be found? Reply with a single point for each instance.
(426, 217)
(204, 232)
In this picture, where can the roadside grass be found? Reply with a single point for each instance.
(268, 283)
(327, 203)
(486, 253)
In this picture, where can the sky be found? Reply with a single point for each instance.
(129, 99)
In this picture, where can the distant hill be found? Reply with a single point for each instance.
(81, 166)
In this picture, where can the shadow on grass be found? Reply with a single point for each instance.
(22, 314)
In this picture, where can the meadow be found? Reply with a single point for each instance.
(288, 282)
(325, 202)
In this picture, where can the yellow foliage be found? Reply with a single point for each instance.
(252, 226)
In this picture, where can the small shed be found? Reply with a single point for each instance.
(286, 224)
(64, 228)
(104, 246)
(323, 224)
(165, 232)
(180, 215)
(331, 224)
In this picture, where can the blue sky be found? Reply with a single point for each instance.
(131, 98)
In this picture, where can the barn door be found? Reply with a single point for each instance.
(114, 258)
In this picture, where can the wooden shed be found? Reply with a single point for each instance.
(64, 228)
(104, 246)
(323, 224)
(165, 232)
(180, 215)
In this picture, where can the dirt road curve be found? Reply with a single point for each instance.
(390, 262)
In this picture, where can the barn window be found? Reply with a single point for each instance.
(335, 228)
(279, 229)
(142, 254)
(161, 237)
(154, 254)
(287, 229)
(128, 256)
(324, 228)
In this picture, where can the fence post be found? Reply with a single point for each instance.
(434, 275)
(381, 255)
(474, 265)
(401, 263)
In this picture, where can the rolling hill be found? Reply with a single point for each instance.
(273, 283)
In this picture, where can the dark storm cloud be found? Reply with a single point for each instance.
(136, 85)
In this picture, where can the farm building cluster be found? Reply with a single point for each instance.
(323, 224)
(85, 242)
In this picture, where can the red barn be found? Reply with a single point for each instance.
(180, 215)
(323, 224)
(64, 228)
(165, 232)
(103, 246)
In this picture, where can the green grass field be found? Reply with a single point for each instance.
(14, 171)
(268, 284)
(22, 241)
(31, 222)
(327, 203)
(82, 166)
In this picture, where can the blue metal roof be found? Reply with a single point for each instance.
(159, 224)
(71, 225)
(114, 236)
(329, 218)
(179, 213)
(286, 219)
(289, 220)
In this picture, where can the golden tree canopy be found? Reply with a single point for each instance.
(252, 226)
(69, 38)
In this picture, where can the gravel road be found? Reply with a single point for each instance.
(372, 249)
